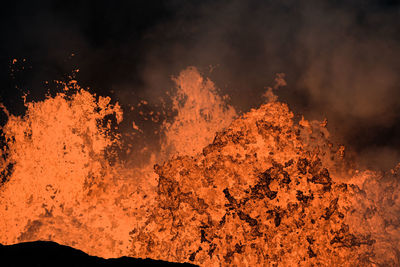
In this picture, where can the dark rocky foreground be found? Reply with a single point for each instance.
(43, 253)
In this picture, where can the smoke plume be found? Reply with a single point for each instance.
(341, 59)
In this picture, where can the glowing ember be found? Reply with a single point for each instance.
(266, 190)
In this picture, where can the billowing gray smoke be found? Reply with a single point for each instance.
(341, 58)
(341, 61)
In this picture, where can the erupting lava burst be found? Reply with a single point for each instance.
(261, 189)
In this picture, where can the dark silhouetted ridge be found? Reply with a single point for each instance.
(43, 253)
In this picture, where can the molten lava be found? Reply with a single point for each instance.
(261, 189)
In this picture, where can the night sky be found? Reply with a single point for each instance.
(341, 58)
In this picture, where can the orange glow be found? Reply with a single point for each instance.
(259, 189)
(201, 113)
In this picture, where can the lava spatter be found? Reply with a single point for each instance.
(258, 190)
(201, 112)
(253, 197)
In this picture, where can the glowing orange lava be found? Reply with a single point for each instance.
(259, 189)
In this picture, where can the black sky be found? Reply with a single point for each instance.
(341, 58)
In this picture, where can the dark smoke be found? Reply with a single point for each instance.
(341, 58)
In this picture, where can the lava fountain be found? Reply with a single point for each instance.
(256, 189)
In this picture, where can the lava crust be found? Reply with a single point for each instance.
(261, 194)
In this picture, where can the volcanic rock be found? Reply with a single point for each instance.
(43, 254)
